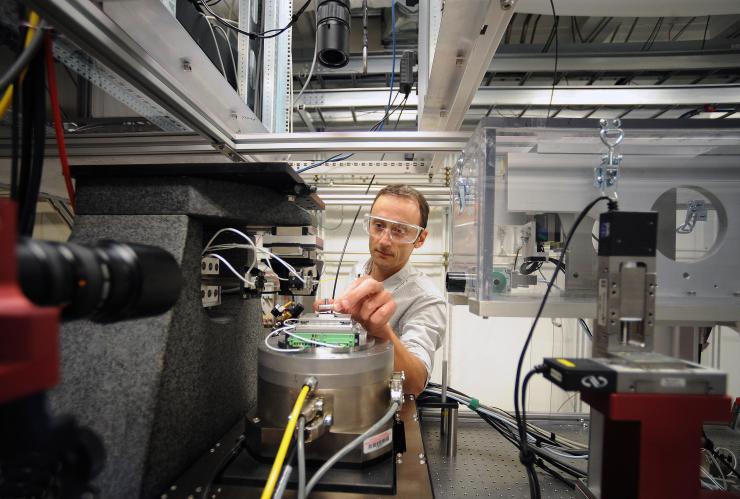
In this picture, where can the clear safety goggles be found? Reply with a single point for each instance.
(399, 232)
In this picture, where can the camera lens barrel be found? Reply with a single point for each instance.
(333, 27)
(108, 282)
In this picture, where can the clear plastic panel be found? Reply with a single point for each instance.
(518, 186)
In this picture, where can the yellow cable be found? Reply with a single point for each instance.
(33, 21)
(284, 444)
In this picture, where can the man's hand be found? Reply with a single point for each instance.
(370, 304)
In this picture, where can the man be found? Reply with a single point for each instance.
(391, 299)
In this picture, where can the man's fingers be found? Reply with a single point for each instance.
(354, 296)
(357, 281)
(381, 316)
(373, 303)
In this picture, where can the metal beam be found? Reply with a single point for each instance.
(326, 142)
(508, 60)
(590, 95)
(608, 95)
(143, 43)
(469, 34)
(636, 8)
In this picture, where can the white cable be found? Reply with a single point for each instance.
(732, 455)
(711, 478)
(281, 350)
(226, 262)
(719, 468)
(215, 42)
(254, 246)
(310, 71)
(228, 44)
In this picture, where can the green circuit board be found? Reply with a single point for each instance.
(340, 340)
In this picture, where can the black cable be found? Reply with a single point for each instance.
(532, 264)
(557, 51)
(14, 140)
(33, 136)
(585, 327)
(507, 434)
(346, 241)
(272, 33)
(578, 220)
(357, 213)
(527, 456)
(400, 113)
(516, 258)
(24, 59)
(704, 38)
(39, 138)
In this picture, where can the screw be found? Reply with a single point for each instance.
(256, 420)
(186, 65)
(507, 4)
(328, 420)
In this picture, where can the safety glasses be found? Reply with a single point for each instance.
(399, 232)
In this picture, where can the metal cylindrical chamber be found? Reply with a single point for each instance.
(354, 385)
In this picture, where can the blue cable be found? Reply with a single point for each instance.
(331, 159)
(339, 157)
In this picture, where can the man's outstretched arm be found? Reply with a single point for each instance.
(372, 306)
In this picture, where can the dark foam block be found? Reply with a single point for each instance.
(161, 390)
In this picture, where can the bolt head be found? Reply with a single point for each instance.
(328, 420)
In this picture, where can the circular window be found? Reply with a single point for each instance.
(691, 222)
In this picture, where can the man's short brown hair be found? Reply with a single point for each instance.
(406, 191)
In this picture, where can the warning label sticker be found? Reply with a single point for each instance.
(377, 442)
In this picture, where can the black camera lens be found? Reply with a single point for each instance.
(333, 26)
(108, 282)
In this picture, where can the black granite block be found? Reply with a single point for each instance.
(198, 197)
(159, 391)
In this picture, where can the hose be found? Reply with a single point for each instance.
(301, 448)
(284, 444)
(347, 448)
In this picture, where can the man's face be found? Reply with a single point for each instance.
(390, 256)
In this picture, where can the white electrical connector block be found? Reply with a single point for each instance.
(209, 265)
(210, 296)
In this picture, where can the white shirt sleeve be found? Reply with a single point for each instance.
(422, 329)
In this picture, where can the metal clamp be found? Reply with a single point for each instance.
(607, 173)
(695, 212)
(396, 386)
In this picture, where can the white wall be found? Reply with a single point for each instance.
(484, 352)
